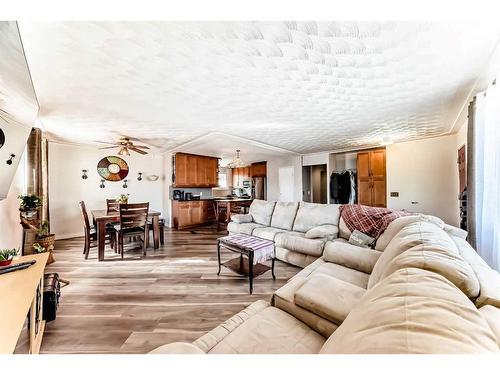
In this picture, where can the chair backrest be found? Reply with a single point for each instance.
(134, 215)
(112, 205)
(86, 223)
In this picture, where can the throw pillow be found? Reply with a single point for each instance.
(360, 239)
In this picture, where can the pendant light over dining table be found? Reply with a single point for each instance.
(236, 162)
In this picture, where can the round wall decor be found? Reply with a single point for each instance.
(2, 138)
(112, 168)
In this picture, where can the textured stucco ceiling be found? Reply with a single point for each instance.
(301, 86)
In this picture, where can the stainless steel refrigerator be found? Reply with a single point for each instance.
(259, 188)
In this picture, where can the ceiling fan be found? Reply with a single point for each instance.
(125, 145)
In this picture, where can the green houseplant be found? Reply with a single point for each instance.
(6, 256)
(123, 198)
(44, 240)
(29, 205)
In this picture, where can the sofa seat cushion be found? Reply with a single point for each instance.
(294, 258)
(245, 228)
(343, 273)
(298, 243)
(328, 297)
(284, 299)
(348, 255)
(440, 260)
(262, 211)
(310, 215)
(270, 331)
(284, 215)
(417, 233)
(266, 232)
(410, 312)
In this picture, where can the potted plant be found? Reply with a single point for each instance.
(123, 198)
(6, 256)
(29, 205)
(44, 240)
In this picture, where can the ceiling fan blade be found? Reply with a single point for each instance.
(105, 148)
(139, 146)
(133, 148)
(108, 143)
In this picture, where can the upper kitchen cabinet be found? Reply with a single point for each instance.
(18, 103)
(195, 170)
(258, 169)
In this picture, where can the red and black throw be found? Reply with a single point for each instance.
(372, 221)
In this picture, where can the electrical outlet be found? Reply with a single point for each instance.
(394, 193)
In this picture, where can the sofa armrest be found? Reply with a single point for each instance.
(177, 348)
(242, 218)
(351, 256)
(323, 231)
(328, 297)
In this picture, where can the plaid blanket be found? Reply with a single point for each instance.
(372, 221)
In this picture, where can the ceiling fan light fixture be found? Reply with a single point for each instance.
(124, 151)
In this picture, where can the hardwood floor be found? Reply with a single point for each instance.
(135, 305)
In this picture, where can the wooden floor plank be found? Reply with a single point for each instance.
(135, 305)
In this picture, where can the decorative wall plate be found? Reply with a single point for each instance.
(2, 138)
(112, 168)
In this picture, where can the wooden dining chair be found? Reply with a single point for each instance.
(112, 205)
(90, 233)
(133, 224)
(151, 229)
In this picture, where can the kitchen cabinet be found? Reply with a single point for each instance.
(189, 214)
(195, 170)
(371, 170)
(258, 169)
(239, 175)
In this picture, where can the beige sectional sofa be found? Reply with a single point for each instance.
(423, 289)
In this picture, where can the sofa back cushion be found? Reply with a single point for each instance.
(351, 256)
(414, 234)
(440, 260)
(310, 215)
(410, 312)
(284, 215)
(262, 211)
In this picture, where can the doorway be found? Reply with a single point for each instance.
(315, 184)
(286, 184)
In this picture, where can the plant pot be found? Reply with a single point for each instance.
(47, 241)
(29, 214)
(5, 262)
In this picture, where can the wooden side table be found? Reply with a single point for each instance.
(248, 269)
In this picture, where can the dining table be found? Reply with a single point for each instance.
(104, 217)
(226, 204)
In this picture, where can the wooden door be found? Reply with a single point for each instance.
(462, 171)
(377, 171)
(212, 172)
(201, 171)
(196, 212)
(364, 180)
(184, 218)
(181, 170)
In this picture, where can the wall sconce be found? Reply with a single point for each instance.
(125, 184)
(9, 162)
(102, 186)
(140, 176)
(84, 174)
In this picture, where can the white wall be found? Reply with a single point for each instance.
(425, 171)
(273, 166)
(10, 230)
(67, 188)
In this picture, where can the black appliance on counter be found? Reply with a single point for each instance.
(178, 195)
(188, 196)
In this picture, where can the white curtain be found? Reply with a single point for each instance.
(487, 175)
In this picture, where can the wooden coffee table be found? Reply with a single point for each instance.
(256, 250)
